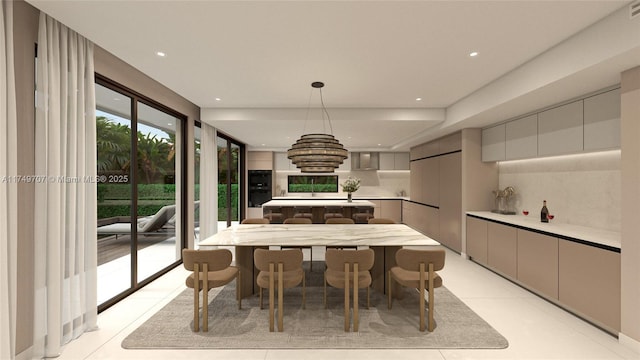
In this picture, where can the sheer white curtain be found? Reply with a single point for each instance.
(208, 182)
(65, 261)
(8, 185)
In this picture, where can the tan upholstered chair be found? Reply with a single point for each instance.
(302, 212)
(417, 269)
(348, 269)
(339, 220)
(274, 215)
(211, 268)
(381, 221)
(362, 214)
(255, 221)
(281, 269)
(300, 221)
(333, 212)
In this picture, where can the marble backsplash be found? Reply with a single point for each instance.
(580, 189)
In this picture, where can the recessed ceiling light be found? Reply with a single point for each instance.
(379, 144)
(161, 54)
(218, 99)
(473, 54)
(418, 99)
(169, 124)
(262, 144)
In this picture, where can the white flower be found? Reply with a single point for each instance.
(351, 185)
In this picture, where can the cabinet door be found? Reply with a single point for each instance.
(522, 138)
(415, 180)
(391, 209)
(431, 223)
(493, 143)
(401, 161)
(387, 161)
(589, 282)
(450, 200)
(602, 121)
(501, 249)
(281, 161)
(538, 262)
(431, 181)
(560, 130)
(477, 240)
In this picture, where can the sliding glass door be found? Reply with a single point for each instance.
(230, 170)
(139, 190)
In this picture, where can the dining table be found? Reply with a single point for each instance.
(383, 239)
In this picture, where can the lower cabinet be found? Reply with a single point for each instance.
(391, 209)
(477, 240)
(502, 249)
(422, 218)
(538, 262)
(589, 282)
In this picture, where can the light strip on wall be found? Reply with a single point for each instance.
(599, 154)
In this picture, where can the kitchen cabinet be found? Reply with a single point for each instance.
(589, 282)
(502, 249)
(431, 180)
(422, 218)
(450, 200)
(390, 209)
(281, 162)
(602, 121)
(538, 262)
(416, 180)
(493, 143)
(394, 161)
(521, 138)
(260, 160)
(477, 240)
(560, 130)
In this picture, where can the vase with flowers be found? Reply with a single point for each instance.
(350, 186)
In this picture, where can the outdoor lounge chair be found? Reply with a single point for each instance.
(146, 225)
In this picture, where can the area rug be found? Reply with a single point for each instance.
(457, 326)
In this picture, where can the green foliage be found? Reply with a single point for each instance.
(311, 188)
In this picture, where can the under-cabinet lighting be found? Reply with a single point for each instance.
(598, 154)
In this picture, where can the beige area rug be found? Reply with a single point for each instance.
(457, 326)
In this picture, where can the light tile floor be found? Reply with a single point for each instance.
(535, 328)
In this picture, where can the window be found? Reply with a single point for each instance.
(313, 183)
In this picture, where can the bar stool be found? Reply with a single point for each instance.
(362, 214)
(332, 212)
(302, 212)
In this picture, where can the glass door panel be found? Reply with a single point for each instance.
(113, 143)
(234, 169)
(196, 181)
(157, 213)
(223, 184)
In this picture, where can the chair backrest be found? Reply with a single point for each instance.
(158, 219)
(291, 259)
(256, 221)
(410, 259)
(335, 259)
(381, 221)
(339, 221)
(217, 259)
(297, 221)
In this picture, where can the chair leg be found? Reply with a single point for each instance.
(280, 296)
(271, 297)
(239, 290)
(431, 298)
(205, 297)
(260, 292)
(389, 299)
(346, 297)
(304, 291)
(356, 317)
(422, 296)
(324, 297)
(368, 297)
(196, 297)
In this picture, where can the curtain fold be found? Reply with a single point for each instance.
(8, 186)
(208, 182)
(65, 208)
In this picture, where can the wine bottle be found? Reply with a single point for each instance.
(544, 213)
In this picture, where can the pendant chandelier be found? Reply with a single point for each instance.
(317, 153)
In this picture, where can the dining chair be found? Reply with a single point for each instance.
(348, 269)
(417, 269)
(362, 214)
(281, 269)
(300, 221)
(211, 269)
(255, 221)
(274, 215)
(381, 221)
(339, 220)
(333, 212)
(302, 212)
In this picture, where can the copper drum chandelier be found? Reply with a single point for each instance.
(318, 153)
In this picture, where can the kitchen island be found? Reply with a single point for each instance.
(318, 207)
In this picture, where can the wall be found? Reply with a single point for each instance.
(580, 189)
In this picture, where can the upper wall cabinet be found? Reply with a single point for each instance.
(560, 130)
(281, 162)
(493, 143)
(602, 121)
(522, 138)
(394, 161)
(260, 160)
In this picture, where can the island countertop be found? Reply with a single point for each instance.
(317, 202)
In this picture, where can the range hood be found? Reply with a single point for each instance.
(365, 161)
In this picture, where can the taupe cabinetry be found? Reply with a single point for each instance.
(394, 161)
(493, 143)
(560, 130)
(450, 201)
(521, 138)
(538, 262)
(477, 244)
(390, 209)
(422, 218)
(281, 162)
(602, 121)
(589, 282)
(502, 246)
(260, 160)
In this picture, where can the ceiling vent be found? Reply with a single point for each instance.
(634, 9)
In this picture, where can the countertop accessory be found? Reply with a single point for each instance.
(504, 201)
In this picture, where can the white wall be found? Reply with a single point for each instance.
(580, 189)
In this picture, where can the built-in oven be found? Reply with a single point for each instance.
(259, 187)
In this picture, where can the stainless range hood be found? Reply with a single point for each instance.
(365, 161)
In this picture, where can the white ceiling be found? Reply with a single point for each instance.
(375, 57)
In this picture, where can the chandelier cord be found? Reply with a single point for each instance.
(324, 109)
(304, 127)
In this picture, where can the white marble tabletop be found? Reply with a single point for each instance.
(532, 221)
(319, 235)
(319, 202)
